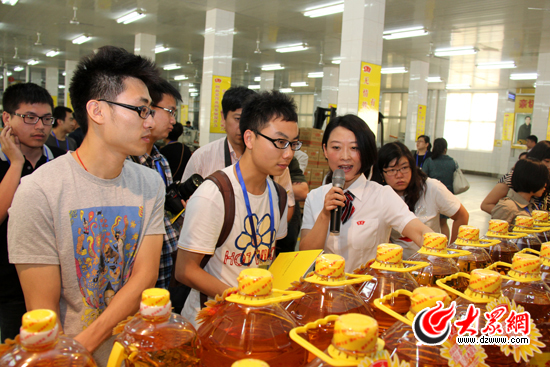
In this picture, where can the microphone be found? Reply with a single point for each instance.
(338, 180)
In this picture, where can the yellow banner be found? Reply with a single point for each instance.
(54, 101)
(508, 127)
(421, 121)
(369, 94)
(524, 104)
(548, 128)
(184, 114)
(219, 85)
(329, 106)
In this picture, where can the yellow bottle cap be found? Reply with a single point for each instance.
(524, 221)
(498, 226)
(389, 253)
(525, 263)
(485, 281)
(540, 215)
(155, 297)
(424, 297)
(545, 250)
(355, 333)
(250, 362)
(330, 265)
(255, 282)
(38, 321)
(435, 241)
(468, 233)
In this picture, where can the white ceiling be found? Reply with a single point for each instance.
(502, 30)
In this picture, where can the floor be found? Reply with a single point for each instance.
(480, 186)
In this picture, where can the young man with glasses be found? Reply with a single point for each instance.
(270, 136)
(63, 125)
(92, 242)
(27, 119)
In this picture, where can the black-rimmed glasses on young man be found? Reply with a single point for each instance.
(142, 111)
(283, 143)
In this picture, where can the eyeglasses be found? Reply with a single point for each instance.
(142, 111)
(171, 112)
(393, 172)
(47, 120)
(282, 143)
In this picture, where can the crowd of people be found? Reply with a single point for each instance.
(88, 231)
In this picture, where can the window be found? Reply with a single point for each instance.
(470, 120)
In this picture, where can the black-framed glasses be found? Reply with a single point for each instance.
(30, 119)
(392, 172)
(142, 111)
(172, 113)
(283, 143)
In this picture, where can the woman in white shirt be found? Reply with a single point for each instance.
(373, 209)
(426, 197)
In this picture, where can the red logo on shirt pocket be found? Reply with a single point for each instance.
(360, 222)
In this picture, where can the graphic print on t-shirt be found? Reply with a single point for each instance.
(105, 242)
(261, 249)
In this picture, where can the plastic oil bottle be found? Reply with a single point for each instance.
(328, 291)
(540, 218)
(40, 345)
(441, 262)
(524, 224)
(544, 255)
(505, 249)
(468, 239)
(252, 324)
(389, 274)
(400, 339)
(249, 362)
(484, 287)
(156, 337)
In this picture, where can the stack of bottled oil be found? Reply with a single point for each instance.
(526, 225)
(506, 248)
(478, 258)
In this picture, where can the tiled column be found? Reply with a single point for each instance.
(218, 52)
(362, 29)
(267, 80)
(329, 90)
(418, 95)
(541, 109)
(70, 67)
(184, 108)
(52, 83)
(144, 45)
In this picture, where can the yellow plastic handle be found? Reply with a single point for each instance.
(532, 230)
(117, 356)
(379, 302)
(527, 249)
(510, 235)
(487, 243)
(516, 279)
(441, 283)
(398, 268)
(264, 301)
(447, 255)
(351, 279)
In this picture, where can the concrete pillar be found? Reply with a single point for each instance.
(27, 74)
(267, 80)
(144, 45)
(329, 90)
(418, 96)
(362, 29)
(541, 108)
(52, 83)
(70, 67)
(218, 53)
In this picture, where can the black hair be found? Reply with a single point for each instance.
(102, 75)
(540, 151)
(260, 108)
(188, 123)
(366, 142)
(234, 98)
(529, 117)
(60, 112)
(30, 93)
(440, 145)
(533, 138)
(176, 132)
(396, 150)
(157, 91)
(522, 155)
(427, 140)
(530, 175)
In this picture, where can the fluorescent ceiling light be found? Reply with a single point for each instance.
(9, 2)
(434, 79)
(81, 39)
(458, 86)
(181, 77)
(33, 62)
(337, 61)
(292, 48)
(194, 94)
(271, 67)
(497, 65)
(52, 53)
(286, 90)
(523, 76)
(172, 67)
(318, 74)
(64, 73)
(299, 84)
(61, 86)
(399, 70)
(9, 73)
(455, 51)
(160, 49)
(404, 33)
(18, 68)
(327, 9)
(193, 90)
(131, 17)
(254, 87)
(258, 79)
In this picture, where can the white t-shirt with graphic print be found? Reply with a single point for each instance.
(203, 224)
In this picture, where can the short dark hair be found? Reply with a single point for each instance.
(234, 98)
(540, 151)
(176, 132)
(426, 140)
(260, 108)
(60, 112)
(440, 145)
(396, 150)
(29, 93)
(530, 175)
(533, 138)
(157, 91)
(522, 155)
(102, 75)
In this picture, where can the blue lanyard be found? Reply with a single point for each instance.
(45, 153)
(422, 160)
(57, 141)
(161, 171)
(249, 210)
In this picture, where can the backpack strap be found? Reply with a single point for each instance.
(281, 192)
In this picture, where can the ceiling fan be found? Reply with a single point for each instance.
(432, 54)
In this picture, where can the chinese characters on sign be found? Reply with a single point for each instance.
(369, 94)
(219, 85)
(421, 120)
(508, 127)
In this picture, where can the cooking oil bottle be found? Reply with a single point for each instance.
(544, 255)
(400, 339)
(41, 345)
(468, 239)
(441, 262)
(525, 224)
(389, 274)
(505, 249)
(156, 337)
(251, 324)
(540, 218)
(249, 362)
(328, 291)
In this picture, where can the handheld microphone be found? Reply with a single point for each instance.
(338, 180)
